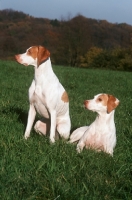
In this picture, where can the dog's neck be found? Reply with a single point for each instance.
(105, 117)
(43, 61)
(43, 71)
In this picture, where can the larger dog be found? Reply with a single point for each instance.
(46, 95)
(101, 134)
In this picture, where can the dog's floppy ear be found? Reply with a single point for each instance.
(43, 55)
(112, 103)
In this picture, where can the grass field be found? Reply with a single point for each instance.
(35, 169)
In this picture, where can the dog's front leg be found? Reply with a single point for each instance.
(53, 126)
(31, 117)
(80, 146)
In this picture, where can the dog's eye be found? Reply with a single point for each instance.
(99, 99)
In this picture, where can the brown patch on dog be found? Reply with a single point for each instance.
(108, 100)
(33, 51)
(39, 52)
(43, 54)
(103, 98)
(112, 103)
(65, 97)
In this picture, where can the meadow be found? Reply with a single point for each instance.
(34, 169)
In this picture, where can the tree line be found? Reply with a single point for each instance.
(76, 42)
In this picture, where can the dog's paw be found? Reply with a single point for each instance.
(26, 136)
(37, 131)
(79, 149)
(52, 140)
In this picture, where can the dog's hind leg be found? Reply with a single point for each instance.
(42, 127)
(80, 146)
(63, 128)
(77, 134)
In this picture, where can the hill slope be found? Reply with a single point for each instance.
(65, 39)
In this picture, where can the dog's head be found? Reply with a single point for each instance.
(102, 103)
(35, 56)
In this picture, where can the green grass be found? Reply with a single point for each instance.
(35, 169)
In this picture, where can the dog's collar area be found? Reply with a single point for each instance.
(44, 61)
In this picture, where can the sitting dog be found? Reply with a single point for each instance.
(101, 134)
(46, 95)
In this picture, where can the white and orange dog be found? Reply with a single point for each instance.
(101, 134)
(46, 95)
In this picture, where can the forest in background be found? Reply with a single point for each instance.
(76, 42)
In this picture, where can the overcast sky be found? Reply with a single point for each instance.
(115, 11)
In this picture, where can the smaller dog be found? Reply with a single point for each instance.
(101, 134)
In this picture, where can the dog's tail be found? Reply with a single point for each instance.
(77, 134)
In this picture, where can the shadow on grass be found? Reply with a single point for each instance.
(22, 117)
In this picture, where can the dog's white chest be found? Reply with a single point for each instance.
(38, 99)
(38, 92)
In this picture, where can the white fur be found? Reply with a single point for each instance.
(101, 134)
(45, 96)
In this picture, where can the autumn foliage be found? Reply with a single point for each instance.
(76, 42)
